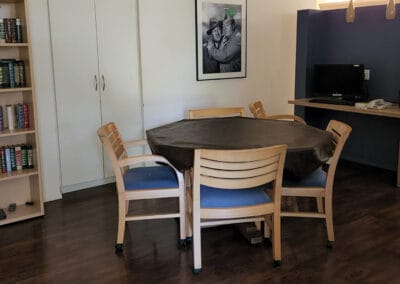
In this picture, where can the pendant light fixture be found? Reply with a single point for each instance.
(351, 13)
(391, 10)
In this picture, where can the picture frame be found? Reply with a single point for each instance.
(221, 39)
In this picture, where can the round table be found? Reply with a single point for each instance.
(308, 147)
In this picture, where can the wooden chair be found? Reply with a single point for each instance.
(319, 184)
(229, 187)
(216, 112)
(158, 181)
(258, 111)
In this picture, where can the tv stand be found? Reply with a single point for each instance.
(393, 111)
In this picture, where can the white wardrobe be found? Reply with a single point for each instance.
(96, 70)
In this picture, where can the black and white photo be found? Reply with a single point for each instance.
(221, 39)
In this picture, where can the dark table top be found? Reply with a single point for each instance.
(308, 147)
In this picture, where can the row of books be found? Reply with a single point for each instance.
(10, 30)
(12, 73)
(16, 157)
(14, 116)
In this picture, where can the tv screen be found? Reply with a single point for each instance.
(339, 80)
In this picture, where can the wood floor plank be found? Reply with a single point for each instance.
(74, 242)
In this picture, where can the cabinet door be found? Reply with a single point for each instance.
(118, 64)
(73, 33)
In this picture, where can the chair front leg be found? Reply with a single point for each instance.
(182, 214)
(121, 223)
(196, 240)
(329, 219)
(276, 239)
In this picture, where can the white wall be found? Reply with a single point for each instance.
(169, 61)
(169, 67)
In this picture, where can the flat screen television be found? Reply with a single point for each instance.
(339, 80)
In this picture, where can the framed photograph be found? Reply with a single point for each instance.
(221, 39)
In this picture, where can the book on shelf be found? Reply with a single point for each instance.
(10, 30)
(14, 117)
(12, 73)
(16, 157)
(2, 32)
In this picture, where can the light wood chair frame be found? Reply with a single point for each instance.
(237, 169)
(216, 112)
(116, 150)
(258, 111)
(340, 132)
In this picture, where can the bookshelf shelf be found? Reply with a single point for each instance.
(13, 45)
(16, 132)
(24, 185)
(18, 174)
(22, 212)
(15, 90)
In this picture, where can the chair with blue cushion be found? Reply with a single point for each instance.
(319, 184)
(160, 180)
(229, 186)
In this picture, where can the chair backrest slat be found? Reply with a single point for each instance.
(238, 183)
(216, 112)
(207, 163)
(235, 174)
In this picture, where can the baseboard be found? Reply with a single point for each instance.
(83, 185)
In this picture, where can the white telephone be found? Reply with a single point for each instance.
(378, 104)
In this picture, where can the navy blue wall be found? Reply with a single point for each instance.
(325, 37)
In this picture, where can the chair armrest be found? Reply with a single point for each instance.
(135, 143)
(129, 161)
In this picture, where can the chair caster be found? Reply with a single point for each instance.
(118, 248)
(329, 244)
(277, 263)
(196, 271)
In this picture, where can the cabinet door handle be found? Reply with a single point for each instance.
(104, 83)
(95, 82)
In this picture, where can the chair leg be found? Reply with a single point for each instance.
(196, 241)
(267, 229)
(258, 225)
(182, 219)
(121, 225)
(276, 239)
(320, 204)
(329, 219)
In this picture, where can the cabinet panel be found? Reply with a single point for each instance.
(118, 65)
(73, 33)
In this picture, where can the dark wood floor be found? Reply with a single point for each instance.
(74, 242)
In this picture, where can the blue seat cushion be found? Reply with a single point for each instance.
(211, 197)
(150, 177)
(316, 179)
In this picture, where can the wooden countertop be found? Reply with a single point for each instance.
(393, 111)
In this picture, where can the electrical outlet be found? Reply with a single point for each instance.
(367, 74)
